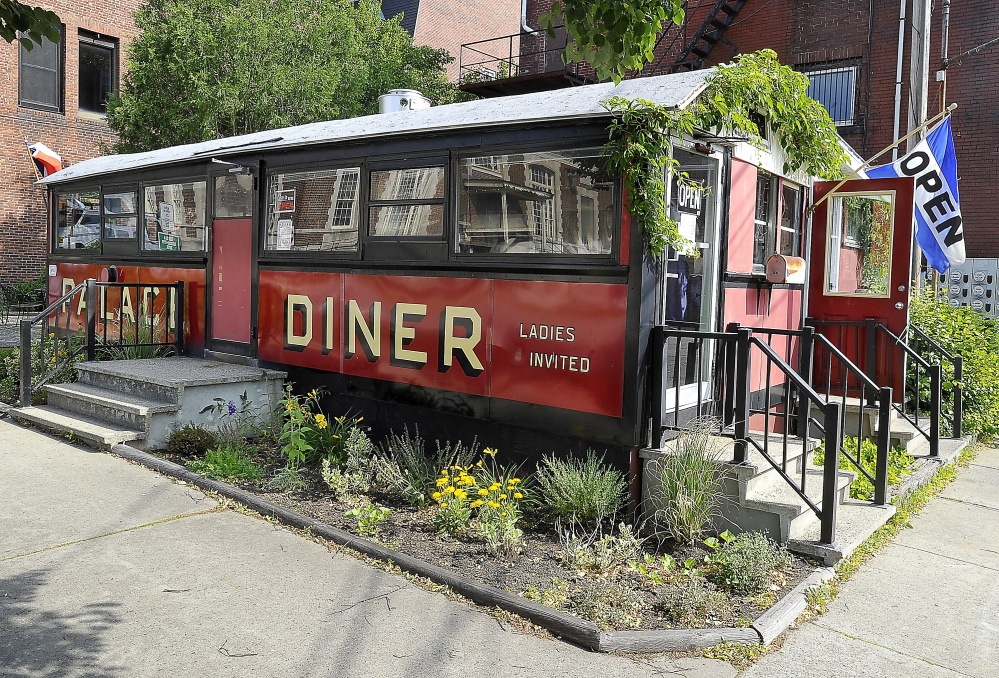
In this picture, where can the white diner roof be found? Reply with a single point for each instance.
(571, 103)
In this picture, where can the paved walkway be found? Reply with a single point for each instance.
(108, 569)
(927, 607)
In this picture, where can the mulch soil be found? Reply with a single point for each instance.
(410, 530)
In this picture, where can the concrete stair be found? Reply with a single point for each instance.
(141, 402)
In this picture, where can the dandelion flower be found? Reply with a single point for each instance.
(476, 504)
(518, 495)
(483, 492)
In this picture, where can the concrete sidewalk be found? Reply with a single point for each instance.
(109, 569)
(926, 607)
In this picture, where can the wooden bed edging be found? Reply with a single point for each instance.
(768, 626)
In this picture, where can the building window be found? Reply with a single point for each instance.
(98, 71)
(40, 76)
(777, 226)
(557, 202)
(313, 211)
(789, 242)
(174, 217)
(835, 89)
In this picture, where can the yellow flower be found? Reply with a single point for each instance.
(503, 513)
(359, 420)
(490, 451)
(320, 418)
(334, 435)
(460, 494)
(436, 495)
(502, 496)
(483, 492)
(448, 490)
(444, 505)
(475, 504)
(494, 504)
(515, 480)
(495, 486)
(313, 394)
(322, 424)
(518, 495)
(441, 482)
(478, 463)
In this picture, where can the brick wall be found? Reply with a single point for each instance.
(448, 24)
(73, 135)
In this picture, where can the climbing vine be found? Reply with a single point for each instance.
(753, 84)
(612, 36)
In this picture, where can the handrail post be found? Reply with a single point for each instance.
(830, 474)
(884, 443)
(91, 297)
(178, 323)
(25, 363)
(958, 395)
(806, 348)
(871, 359)
(935, 398)
(743, 364)
(658, 347)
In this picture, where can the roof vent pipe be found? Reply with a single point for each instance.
(402, 100)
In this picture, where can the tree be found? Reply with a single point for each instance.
(205, 69)
(613, 36)
(28, 25)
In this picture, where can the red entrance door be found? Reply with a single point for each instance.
(232, 256)
(860, 270)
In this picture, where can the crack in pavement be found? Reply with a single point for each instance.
(891, 649)
(109, 534)
(969, 503)
(941, 555)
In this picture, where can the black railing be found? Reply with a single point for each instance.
(697, 374)
(516, 55)
(102, 321)
(952, 413)
(888, 358)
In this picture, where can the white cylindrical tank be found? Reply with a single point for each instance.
(402, 100)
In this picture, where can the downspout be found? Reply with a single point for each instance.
(898, 77)
(523, 18)
(944, 44)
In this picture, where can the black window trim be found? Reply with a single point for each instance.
(108, 42)
(60, 106)
(167, 254)
(388, 165)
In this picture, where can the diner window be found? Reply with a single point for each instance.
(174, 217)
(78, 221)
(98, 71)
(233, 196)
(555, 202)
(763, 218)
(40, 76)
(313, 211)
(789, 238)
(412, 202)
(120, 215)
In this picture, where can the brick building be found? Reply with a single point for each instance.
(55, 95)
(850, 50)
(448, 24)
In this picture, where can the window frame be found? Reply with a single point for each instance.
(774, 221)
(60, 77)
(831, 68)
(101, 41)
(165, 181)
(540, 258)
(370, 203)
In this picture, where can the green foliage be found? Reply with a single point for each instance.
(368, 517)
(309, 436)
(356, 474)
(579, 491)
(689, 485)
(27, 24)
(614, 605)
(899, 463)
(405, 470)
(205, 69)
(602, 554)
(612, 37)
(974, 336)
(288, 479)
(739, 655)
(229, 462)
(755, 83)
(61, 356)
(695, 603)
(747, 563)
(555, 596)
(191, 440)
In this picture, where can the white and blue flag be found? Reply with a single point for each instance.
(933, 164)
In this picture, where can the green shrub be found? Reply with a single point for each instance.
(974, 336)
(747, 563)
(403, 468)
(308, 436)
(191, 440)
(689, 480)
(612, 606)
(288, 479)
(899, 462)
(228, 463)
(693, 603)
(600, 554)
(583, 491)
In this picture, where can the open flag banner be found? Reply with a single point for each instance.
(47, 160)
(933, 164)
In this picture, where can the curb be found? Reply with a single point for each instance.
(764, 629)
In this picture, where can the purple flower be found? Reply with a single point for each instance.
(232, 407)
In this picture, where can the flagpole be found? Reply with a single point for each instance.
(27, 147)
(868, 162)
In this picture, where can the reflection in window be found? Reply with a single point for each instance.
(859, 245)
(313, 211)
(174, 217)
(120, 218)
(233, 196)
(557, 202)
(78, 225)
(790, 221)
(763, 217)
(421, 186)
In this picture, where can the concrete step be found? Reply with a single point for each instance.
(758, 473)
(856, 520)
(93, 432)
(114, 407)
(795, 516)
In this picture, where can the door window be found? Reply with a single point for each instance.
(859, 244)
